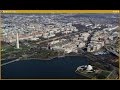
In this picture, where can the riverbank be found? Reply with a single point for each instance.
(46, 59)
(50, 58)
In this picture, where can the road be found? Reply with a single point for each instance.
(11, 61)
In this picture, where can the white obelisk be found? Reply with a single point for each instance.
(17, 41)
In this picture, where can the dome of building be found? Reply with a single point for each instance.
(89, 67)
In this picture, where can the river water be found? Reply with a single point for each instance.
(57, 68)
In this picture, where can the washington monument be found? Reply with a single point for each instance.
(17, 41)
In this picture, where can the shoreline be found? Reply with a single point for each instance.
(62, 56)
(47, 59)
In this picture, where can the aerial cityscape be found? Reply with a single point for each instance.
(60, 46)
